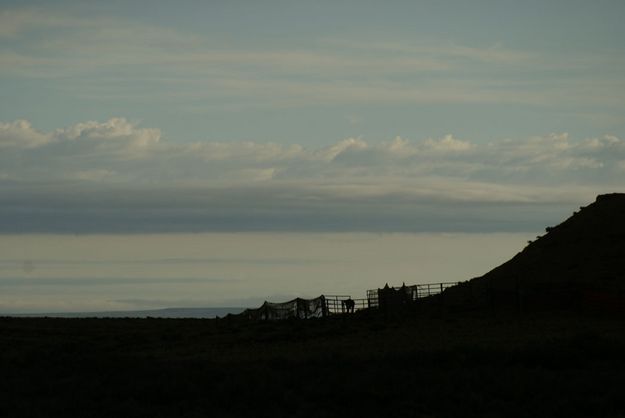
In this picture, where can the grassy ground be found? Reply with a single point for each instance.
(447, 365)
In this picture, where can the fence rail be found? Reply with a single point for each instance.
(336, 303)
(412, 292)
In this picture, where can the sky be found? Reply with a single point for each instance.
(284, 119)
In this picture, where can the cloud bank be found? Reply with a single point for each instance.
(117, 176)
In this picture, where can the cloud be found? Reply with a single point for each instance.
(86, 54)
(21, 134)
(94, 151)
(117, 136)
(116, 176)
(116, 131)
(448, 143)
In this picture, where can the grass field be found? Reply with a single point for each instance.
(447, 365)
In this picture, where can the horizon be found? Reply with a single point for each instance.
(80, 273)
(153, 153)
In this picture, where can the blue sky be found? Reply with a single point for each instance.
(300, 115)
(316, 72)
(286, 118)
(229, 116)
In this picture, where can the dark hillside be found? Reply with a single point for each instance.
(470, 365)
(579, 262)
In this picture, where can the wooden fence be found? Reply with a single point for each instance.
(410, 293)
(336, 303)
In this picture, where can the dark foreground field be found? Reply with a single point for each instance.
(455, 365)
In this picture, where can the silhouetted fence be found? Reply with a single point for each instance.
(464, 295)
(296, 308)
(324, 305)
(337, 304)
(402, 294)
(385, 297)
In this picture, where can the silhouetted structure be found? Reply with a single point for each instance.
(391, 297)
(296, 308)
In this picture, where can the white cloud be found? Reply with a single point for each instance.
(120, 153)
(330, 153)
(447, 143)
(255, 152)
(607, 142)
(21, 134)
(114, 130)
(117, 176)
(120, 150)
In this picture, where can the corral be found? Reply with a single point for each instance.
(386, 298)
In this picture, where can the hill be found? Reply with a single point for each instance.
(578, 263)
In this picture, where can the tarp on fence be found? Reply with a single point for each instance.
(296, 308)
